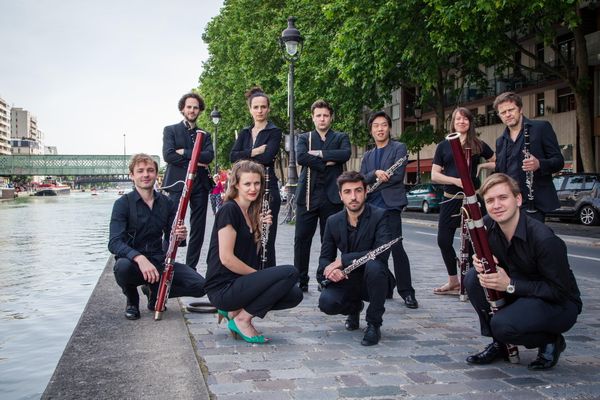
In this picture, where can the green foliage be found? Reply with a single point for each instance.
(415, 139)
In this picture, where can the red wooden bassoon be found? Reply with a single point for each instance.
(477, 231)
(167, 276)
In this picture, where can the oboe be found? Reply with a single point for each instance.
(308, 174)
(529, 174)
(477, 232)
(463, 255)
(364, 259)
(167, 276)
(265, 209)
(390, 171)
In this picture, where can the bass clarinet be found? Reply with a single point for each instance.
(166, 278)
(390, 171)
(364, 259)
(463, 254)
(477, 232)
(265, 209)
(529, 174)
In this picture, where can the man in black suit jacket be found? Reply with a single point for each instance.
(355, 231)
(390, 194)
(546, 158)
(178, 142)
(322, 154)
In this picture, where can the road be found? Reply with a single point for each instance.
(584, 259)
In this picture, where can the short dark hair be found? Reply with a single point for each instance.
(141, 158)
(376, 114)
(191, 95)
(256, 91)
(321, 104)
(508, 96)
(350, 177)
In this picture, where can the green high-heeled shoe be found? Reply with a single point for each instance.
(222, 314)
(236, 333)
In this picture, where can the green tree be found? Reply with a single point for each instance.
(495, 29)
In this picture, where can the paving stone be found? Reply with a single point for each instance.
(325, 394)
(374, 391)
(525, 381)
(488, 373)
(276, 384)
(436, 388)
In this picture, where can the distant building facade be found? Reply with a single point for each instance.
(4, 127)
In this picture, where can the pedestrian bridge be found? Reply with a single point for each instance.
(65, 165)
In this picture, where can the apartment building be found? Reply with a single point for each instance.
(4, 127)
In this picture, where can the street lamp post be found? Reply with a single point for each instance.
(215, 115)
(124, 154)
(291, 44)
(418, 115)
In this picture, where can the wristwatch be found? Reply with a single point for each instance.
(510, 289)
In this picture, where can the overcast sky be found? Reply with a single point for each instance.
(91, 71)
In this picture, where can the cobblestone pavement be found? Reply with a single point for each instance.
(421, 354)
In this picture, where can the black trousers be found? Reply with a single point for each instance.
(306, 226)
(401, 262)
(186, 282)
(198, 206)
(275, 205)
(526, 321)
(369, 283)
(448, 222)
(260, 292)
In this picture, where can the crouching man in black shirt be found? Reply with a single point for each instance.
(137, 225)
(542, 297)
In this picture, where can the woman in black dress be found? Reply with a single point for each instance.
(444, 171)
(260, 143)
(234, 283)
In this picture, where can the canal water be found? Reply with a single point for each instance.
(52, 251)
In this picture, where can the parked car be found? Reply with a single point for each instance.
(425, 197)
(579, 196)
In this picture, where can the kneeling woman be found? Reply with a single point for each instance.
(234, 283)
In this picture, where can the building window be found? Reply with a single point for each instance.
(565, 100)
(492, 117)
(539, 54)
(540, 104)
(566, 46)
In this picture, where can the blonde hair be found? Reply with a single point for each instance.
(239, 168)
(498, 179)
(141, 158)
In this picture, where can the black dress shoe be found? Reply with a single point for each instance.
(372, 335)
(491, 353)
(353, 322)
(151, 299)
(132, 312)
(303, 287)
(548, 355)
(411, 301)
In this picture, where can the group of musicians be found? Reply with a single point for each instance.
(359, 214)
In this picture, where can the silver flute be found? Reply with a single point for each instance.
(529, 174)
(389, 171)
(364, 259)
(265, 209)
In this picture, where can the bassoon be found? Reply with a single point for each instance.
(529, 174)
(463, 254)
(477, 232)
(166, 278)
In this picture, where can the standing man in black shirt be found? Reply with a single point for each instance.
(137, 225)
(390, 195)
(322, 154)
(178, 142)
(545, 160)
(355, 231)
(542, 297)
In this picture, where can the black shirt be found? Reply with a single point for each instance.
(536, 261)
(245, 247)
(444, 158)
(151, 224)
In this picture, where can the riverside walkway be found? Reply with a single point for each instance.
(311, 355)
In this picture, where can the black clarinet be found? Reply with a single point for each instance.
(529, 174)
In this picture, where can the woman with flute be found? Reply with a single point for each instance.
(260, 142)
(443, 171)
(234, 283)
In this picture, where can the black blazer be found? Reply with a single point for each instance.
(373, 231)
(544, 146)
(392, 191)
(335, 148)
(242, 149)
(178, 137)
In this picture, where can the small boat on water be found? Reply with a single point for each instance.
(52, 187)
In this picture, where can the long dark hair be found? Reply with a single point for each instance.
(472, 140)
(239, 168)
